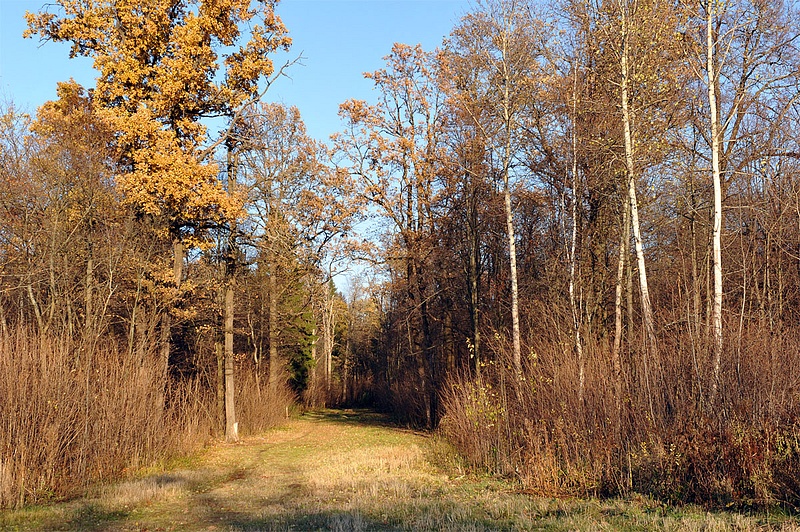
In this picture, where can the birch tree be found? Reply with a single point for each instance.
(744, 54)
(716, 177)
(494, 50)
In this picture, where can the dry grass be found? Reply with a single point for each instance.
(258, 407)
(71, 416)
(667, 439)
(351, 471)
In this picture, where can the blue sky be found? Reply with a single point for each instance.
(340, 40)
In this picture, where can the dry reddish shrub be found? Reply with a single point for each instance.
(665, 437)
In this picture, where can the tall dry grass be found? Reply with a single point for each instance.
(71, 416)
(260, 406)
(666, 436)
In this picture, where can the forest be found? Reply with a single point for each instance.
(576, 231)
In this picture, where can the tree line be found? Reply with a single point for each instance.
(590, 243)
(583, 242)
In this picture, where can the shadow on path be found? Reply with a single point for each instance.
(354, 416)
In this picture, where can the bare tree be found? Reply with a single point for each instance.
(493, 54)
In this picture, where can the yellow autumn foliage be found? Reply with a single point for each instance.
(165, 66)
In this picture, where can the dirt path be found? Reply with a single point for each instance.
(345, 471)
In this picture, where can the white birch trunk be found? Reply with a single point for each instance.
(512, 247)
(512, 251)
(647, 309)
(616, 362)
(716, 310)
(573, 260)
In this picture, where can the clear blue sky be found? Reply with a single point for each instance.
(340, 40)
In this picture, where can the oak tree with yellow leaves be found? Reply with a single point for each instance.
(164, 67)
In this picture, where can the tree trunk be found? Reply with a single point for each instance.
(231, 425)
(627, 117)
(329, 328)
(255, 340)
(219, 352)
(696, 285)
(35, 305)
(427, 360)
(512, 255)
(432, 366)
(272, 328)
(177, 261)
(573, 257)
(346, 373)
(3, 322)
(166, 320)
(716, 310)
(313, 374)
(508, 124)
(88, 294)
(449, 355)
(616, 363)
(473, 285)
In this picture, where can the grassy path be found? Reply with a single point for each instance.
(347, 471)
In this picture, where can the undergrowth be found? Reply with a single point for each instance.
(663, 434)
(73, 414)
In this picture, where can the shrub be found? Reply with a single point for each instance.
(71, 416)
(666, 437)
